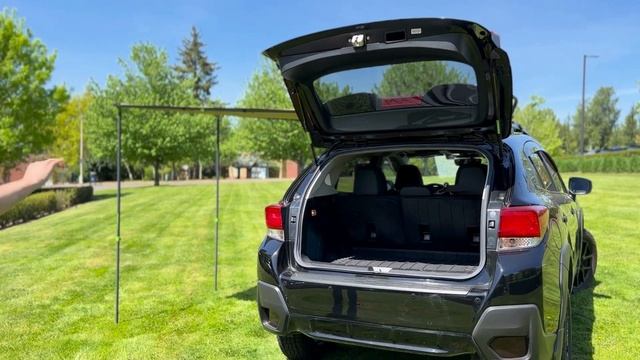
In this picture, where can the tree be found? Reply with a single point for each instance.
(202, 147)
(630, 127)
(541, 123)
(149, 137)
(417, 77)
(28, 104)
(568, 137)
(330, 90)
(195, 66)
(270, 139)
(602, 115)
(66, 131)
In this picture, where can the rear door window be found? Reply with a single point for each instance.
(543, 173)
(344, 183)
(555, 176)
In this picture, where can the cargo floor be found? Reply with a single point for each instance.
(412, 260)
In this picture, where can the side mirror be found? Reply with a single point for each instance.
(579, 186)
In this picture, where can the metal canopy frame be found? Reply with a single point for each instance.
(218, 112)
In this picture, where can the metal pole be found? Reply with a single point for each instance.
(583, 113)
(217, 220)
(584, 77)
(118, 195)
(81, 179)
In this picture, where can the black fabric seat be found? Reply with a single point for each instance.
(408, 176)
(470, 179)
(370, 216)
(448, 221)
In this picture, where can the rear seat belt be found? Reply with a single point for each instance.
(371, 232)
(425, 233)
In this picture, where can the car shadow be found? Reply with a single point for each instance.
(249, 294)
(583, 318)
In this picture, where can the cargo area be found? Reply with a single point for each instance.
(397, 211)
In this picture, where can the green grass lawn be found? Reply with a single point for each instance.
(56, 277)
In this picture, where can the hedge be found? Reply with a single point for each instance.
(45, 202)
(615, 162)
(67, 197)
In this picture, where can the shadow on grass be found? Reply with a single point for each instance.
(583, 317)
(249, 294)
(107, 196)
(164, 313)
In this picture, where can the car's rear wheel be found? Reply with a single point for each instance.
(585, 276)
(299, 347)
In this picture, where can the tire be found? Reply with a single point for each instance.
(299, 347)
(585, 274)
(567, 334)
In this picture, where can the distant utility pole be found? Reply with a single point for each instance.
(582, 113)
(81, 177)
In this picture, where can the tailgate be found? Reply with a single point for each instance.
(392, 301)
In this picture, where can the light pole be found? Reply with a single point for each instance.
(81, 177)
(582, 114)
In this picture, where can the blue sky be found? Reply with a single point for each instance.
(545, 39)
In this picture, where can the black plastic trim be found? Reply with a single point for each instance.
(513, 320)
(270, 298)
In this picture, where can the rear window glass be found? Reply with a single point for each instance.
(543, 173)
(444, 87)
(430, 168)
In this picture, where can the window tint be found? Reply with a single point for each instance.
(403, 96)
(557, 180)
(543, 175)
(404, 85)
(344, 182)
(531, 173)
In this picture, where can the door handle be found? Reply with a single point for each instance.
(573, 212)
(564, 218)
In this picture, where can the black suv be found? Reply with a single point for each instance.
(430, 224)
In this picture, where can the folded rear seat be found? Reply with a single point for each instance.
(448, 221)
(370, 216)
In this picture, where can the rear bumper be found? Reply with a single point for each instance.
(508, 320)
(513, 320)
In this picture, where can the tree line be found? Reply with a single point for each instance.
(603, 130)
(39, 118)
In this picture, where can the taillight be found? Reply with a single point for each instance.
(273, 219)
(522, 227)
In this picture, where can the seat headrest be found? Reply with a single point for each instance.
(352, 104)
(470, 178)
(408, 175)
(452, 94)
(415, 191)
(369, 180)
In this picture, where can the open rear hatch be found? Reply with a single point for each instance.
(399, 79)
